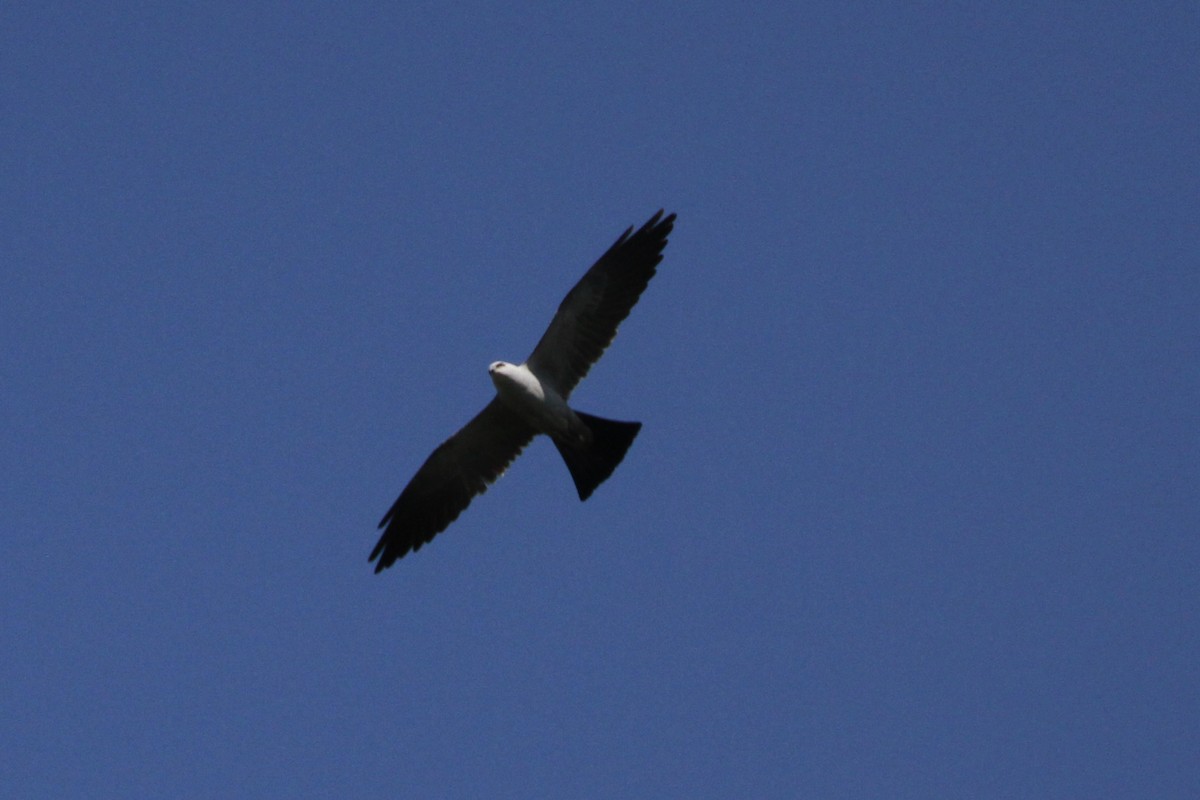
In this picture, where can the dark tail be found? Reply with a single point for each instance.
(591, 464)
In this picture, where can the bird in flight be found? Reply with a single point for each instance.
(531, 398)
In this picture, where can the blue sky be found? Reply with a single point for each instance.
(914, 512)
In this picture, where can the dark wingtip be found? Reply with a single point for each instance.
(660, 225)
(381, 550)
(384, 562)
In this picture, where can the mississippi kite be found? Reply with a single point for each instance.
(531, 398)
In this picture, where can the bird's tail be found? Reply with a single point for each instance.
(591, 463)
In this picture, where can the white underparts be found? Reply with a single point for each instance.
(535, 402)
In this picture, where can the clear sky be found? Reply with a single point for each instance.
(916, 508)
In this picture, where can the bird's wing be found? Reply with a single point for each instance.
(588, 316)
(460, 468)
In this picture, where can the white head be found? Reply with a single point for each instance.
(501, 373)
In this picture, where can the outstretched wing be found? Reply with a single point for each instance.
(460, 468)
(588, 316)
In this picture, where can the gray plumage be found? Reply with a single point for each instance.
(531, 399)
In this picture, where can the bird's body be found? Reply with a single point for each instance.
(531, 399)
(535, 401)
